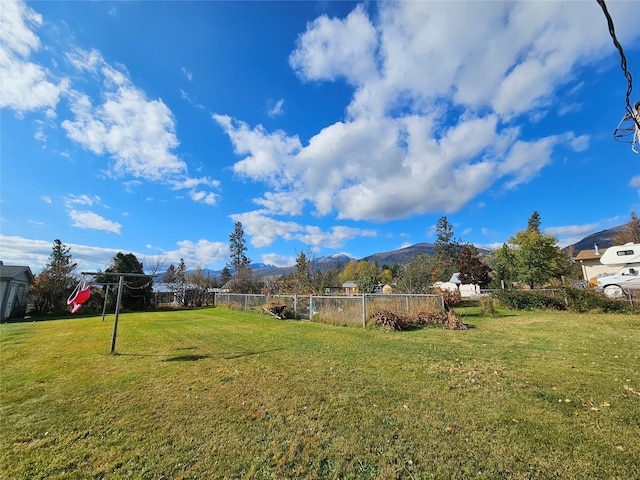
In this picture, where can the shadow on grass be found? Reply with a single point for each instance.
(193, 357)
(186, 358)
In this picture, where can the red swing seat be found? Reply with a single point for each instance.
(78, 297)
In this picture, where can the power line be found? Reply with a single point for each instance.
(623, 63)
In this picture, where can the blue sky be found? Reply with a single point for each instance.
(324, 127)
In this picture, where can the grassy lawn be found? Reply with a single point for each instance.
(214, 393)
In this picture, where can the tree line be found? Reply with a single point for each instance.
(529, 257)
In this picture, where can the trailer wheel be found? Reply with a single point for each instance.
(613, 291)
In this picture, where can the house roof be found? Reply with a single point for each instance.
(589, 254)
(349, 284)
(9, 272)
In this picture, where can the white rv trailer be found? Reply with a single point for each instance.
(627, 257)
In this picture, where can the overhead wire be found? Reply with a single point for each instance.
(623, 63)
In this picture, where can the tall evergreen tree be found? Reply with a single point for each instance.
(225, 276)
(243, 281)
(138, 291)
(303, 278)
(238, 248)
(446, 249)
(170, 274)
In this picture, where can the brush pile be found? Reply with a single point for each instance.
(389, 319)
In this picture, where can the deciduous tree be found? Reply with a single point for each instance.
(630, 232)
(57, 280)
(419, 274)
(363, 272)
(536, 254)
(471, 269)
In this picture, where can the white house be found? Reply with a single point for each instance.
(14, 287)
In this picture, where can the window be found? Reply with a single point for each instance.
(622, 253)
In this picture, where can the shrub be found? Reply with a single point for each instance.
(529, 300)
(568, 298)
(581, 300)
(488, 307)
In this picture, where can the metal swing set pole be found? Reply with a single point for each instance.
(119, 298)
(115, 322)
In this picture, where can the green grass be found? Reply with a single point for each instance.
(215, 393)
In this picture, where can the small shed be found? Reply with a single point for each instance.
(14, 287)
(350, 288)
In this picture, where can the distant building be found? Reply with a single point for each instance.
(589, 260)
(350, 288)
(14, 287)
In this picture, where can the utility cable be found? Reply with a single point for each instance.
(623, 63)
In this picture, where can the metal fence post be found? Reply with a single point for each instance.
(364, 310)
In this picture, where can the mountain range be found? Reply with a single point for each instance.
(604, 239)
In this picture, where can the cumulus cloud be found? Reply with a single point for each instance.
(24, 85)
(88, 219)
(264, 230)
(278, 260)
(202, 253)
(570, 234)
(136, 132)
(91, 220)
(332, 48)
(18, 250)
(436, 96)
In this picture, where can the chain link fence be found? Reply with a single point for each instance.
(348, 310)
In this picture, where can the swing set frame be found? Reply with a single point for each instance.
(120, 284)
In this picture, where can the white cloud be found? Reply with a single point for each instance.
(202, 253)
(81, 199)
(332, 48)
(334, 238)
(264, 230)
(635, 181)
(278, 260)
(187, 74)
(91, 220)
(570, 234)
(138, 133)
(35, 253)
(573, 230)
(200, 196)
(437, 92)
(46, 199)
(267, 152)
(24, 85)
(277, 109)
